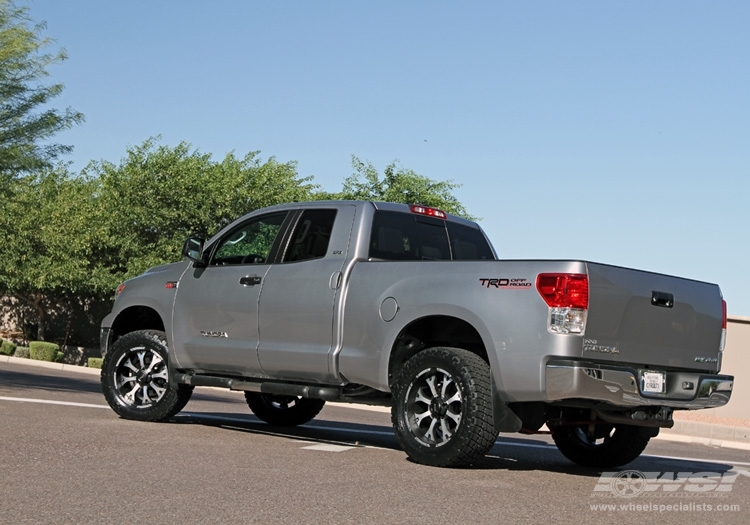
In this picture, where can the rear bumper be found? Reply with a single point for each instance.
(619, 386)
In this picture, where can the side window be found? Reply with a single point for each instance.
(311, 236)
(249, 243)
(468, 243)
(398, 236)
(393, 237)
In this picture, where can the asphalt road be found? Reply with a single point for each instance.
(65, 457)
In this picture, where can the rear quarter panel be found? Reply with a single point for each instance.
(511, 320)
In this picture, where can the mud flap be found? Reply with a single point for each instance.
(505, 420)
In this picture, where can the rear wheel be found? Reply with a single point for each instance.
(285, 411)
(601, 445)
(442, 408)
(135, 379)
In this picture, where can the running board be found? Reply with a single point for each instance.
(327, 393)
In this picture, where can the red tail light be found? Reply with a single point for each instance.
(564, 290)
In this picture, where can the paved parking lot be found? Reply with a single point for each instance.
(67, 458)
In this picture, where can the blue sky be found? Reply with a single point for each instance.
(617, 132)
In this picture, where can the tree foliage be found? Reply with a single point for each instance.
(48, 239)
(158, 195)
(26, 121)
(80, 236)
(71, 239)
(402, 185)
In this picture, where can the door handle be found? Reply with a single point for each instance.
(249, 280)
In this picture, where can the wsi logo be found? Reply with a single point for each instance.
(632, 483)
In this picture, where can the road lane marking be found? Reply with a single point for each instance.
(697, 460)
(351, 430)
(326, 447)
(525, 445)
(356, 406)
(52, 402)
(346, 430)
(313, 427)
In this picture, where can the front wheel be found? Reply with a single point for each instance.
(284, 411)
(601, 445)
(442, 408)
(135, 379)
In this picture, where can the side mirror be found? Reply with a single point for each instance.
(193, 250)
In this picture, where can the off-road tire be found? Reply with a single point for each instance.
(283, 411)
(135, 378)
(442, 408)
(607, 446)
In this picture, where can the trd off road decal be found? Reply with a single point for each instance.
(502, 282)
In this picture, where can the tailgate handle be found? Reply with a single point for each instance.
(663, 299)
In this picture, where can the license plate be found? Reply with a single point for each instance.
(653, 382)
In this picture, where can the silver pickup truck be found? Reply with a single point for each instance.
(409, 307)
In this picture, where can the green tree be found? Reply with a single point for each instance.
(49, 233)
(27, 123)
(158, 195)
(399, 185)
(69, 240)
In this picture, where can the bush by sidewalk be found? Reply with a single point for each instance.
(7, 348)
(44, 351)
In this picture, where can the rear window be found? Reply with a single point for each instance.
(397, 236)
(311, 235)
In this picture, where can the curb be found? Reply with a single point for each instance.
(714, 435)
(723, 436)
(46, 364)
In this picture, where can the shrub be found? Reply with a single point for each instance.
(44, 351)
(95, 362)
(7, 348)
(22, 351)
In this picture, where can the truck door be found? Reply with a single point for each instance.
(300, 295)
(215, 320)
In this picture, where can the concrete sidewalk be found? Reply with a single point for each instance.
(695, 426)
(47, 364)
(698, 426)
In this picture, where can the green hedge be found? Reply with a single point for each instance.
(43, 351)
(22, 351)
(7, 348)
(95, 362)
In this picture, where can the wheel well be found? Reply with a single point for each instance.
(428, 332)
(136, 318)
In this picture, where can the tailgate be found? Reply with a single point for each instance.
(652, 320)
